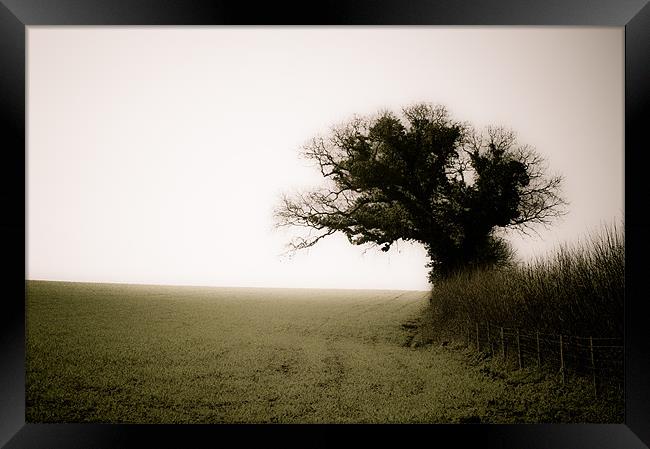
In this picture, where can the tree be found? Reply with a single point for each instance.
(422, 176)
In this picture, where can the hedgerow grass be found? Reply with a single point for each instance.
(577, 290)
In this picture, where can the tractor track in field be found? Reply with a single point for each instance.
(361, 309)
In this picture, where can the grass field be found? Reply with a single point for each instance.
(155, 354)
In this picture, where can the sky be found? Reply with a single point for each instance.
(156, 155)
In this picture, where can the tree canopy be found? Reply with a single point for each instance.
(422, 176)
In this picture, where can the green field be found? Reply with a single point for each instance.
(157, 354)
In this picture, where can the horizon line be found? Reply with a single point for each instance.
(219, 286)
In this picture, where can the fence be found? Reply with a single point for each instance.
(599, 358)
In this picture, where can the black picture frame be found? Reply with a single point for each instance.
(16, 15)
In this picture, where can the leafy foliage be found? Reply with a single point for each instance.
(422, 176)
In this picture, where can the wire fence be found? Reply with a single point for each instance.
(601, 358)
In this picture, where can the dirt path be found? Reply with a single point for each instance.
(165, 354)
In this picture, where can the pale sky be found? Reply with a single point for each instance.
(157, 154)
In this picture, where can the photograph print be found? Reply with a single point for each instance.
(325, 225)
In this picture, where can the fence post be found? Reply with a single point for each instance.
(562, 358)
(488, 338)
(593, 365)
(519, 349)
(503, 346)
(539, 356)
(478, 342)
